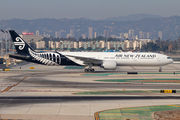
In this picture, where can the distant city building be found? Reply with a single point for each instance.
(51, 44)
(76, 45)
(121, 35)
(131, 33)
(37, 32)
(129, 44)
(144, 35)
(136, 45)
(83, 36)
(90, 33)
(114, 44)
(81, 44)
(149, 35)
(40, 44)
(113, 36)
(104, 33)
(29, 38)
(144, 41)
(160, 34)
(68, 35)
(125, 45)
(136, 38)
(126, 35)
(56, 34)
(95, 34)
(140, 34)
(107, 34)
(72, 32)
(46, 35)
(103, 44)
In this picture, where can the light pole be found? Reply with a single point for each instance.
(13, 50)
(2, 52)
(5, 32)
(6, 46)
(9, 48)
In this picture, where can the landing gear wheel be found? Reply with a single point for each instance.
(160, 69)
(89, 70)
(92, 70)
(86, 70)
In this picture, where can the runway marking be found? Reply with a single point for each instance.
(115, 92)
(154, 80)
(125, 73)
(9, 87)
(74, 67)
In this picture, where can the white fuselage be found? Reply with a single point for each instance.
(123, 58)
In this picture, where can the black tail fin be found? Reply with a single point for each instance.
(20, 45)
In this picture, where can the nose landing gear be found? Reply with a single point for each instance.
(160, 68)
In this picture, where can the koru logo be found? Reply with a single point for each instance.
(20, 43)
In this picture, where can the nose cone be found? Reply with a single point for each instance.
(171, 61)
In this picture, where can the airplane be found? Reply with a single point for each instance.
(106, 60)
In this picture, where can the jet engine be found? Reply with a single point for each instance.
(109, 65)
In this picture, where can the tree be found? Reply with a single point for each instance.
(97, 48)
(81, 48)
(119, 48)
(112, 48)
(32, 44)
(80, 39)
(89, 48)
(65, 48)
(72, 49)
(137, 48)
(170, 47)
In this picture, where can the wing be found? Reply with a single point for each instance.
(86, 60)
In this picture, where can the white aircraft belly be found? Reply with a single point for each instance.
(138, 62)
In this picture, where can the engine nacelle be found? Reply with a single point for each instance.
(109, 65)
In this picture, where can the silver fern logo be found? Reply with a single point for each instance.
(19, 43)
(42, 58)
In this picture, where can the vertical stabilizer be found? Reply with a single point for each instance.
(20, 45)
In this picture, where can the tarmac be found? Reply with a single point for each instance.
(60, 92)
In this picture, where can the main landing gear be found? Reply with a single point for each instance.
(160, 68)
(89, 69)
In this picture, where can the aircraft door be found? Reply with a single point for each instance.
(158, 58)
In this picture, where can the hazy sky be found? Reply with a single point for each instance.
(94, 9)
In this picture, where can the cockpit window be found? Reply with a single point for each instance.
(169, 58)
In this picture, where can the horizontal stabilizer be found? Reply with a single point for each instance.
(17, 56)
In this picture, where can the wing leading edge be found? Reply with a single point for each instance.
(86, 60)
